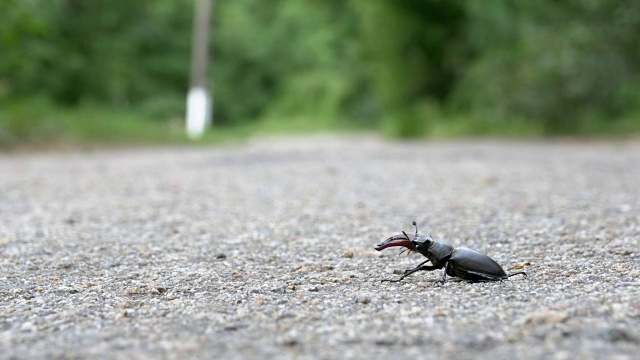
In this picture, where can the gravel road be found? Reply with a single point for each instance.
(265, 250)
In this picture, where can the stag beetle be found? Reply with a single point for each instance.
(460, 262)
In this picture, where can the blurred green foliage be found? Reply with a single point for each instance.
(563, 63)
(411, 67)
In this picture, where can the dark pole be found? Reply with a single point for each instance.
(199, 101)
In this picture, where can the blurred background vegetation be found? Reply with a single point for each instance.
(117, 70)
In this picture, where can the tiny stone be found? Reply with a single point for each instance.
(28, 327)
(546, 317)
(221, 256)
(290, 342)
(130, 291)
(126, 304)
(286, 315)
(348, 254)
(67, 289)
(385, 342)
(363, 299)
(65, 264)
(230, 327)
(122, 315)
(278, 286)
(624, 208)
(619, 334)
(441, 313)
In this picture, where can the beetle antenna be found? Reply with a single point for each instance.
(416, 225)
(405, 234)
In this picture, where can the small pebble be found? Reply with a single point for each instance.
(546, 317)
(127, 304)
(363, 299)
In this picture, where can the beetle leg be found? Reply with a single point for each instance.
(518, 273)
(420, 267)
(417, 268)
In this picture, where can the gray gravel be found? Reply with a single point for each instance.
(265, 249)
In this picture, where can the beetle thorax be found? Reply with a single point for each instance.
(439, 251)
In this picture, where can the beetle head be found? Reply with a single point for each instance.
(415, 242)
(422, 243)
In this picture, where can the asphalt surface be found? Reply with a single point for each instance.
(265, 250)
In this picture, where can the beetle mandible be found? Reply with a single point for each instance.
(460, 262)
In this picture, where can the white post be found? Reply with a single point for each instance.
(199, 106)
(199, 101)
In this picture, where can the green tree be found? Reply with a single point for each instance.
(561, 63)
